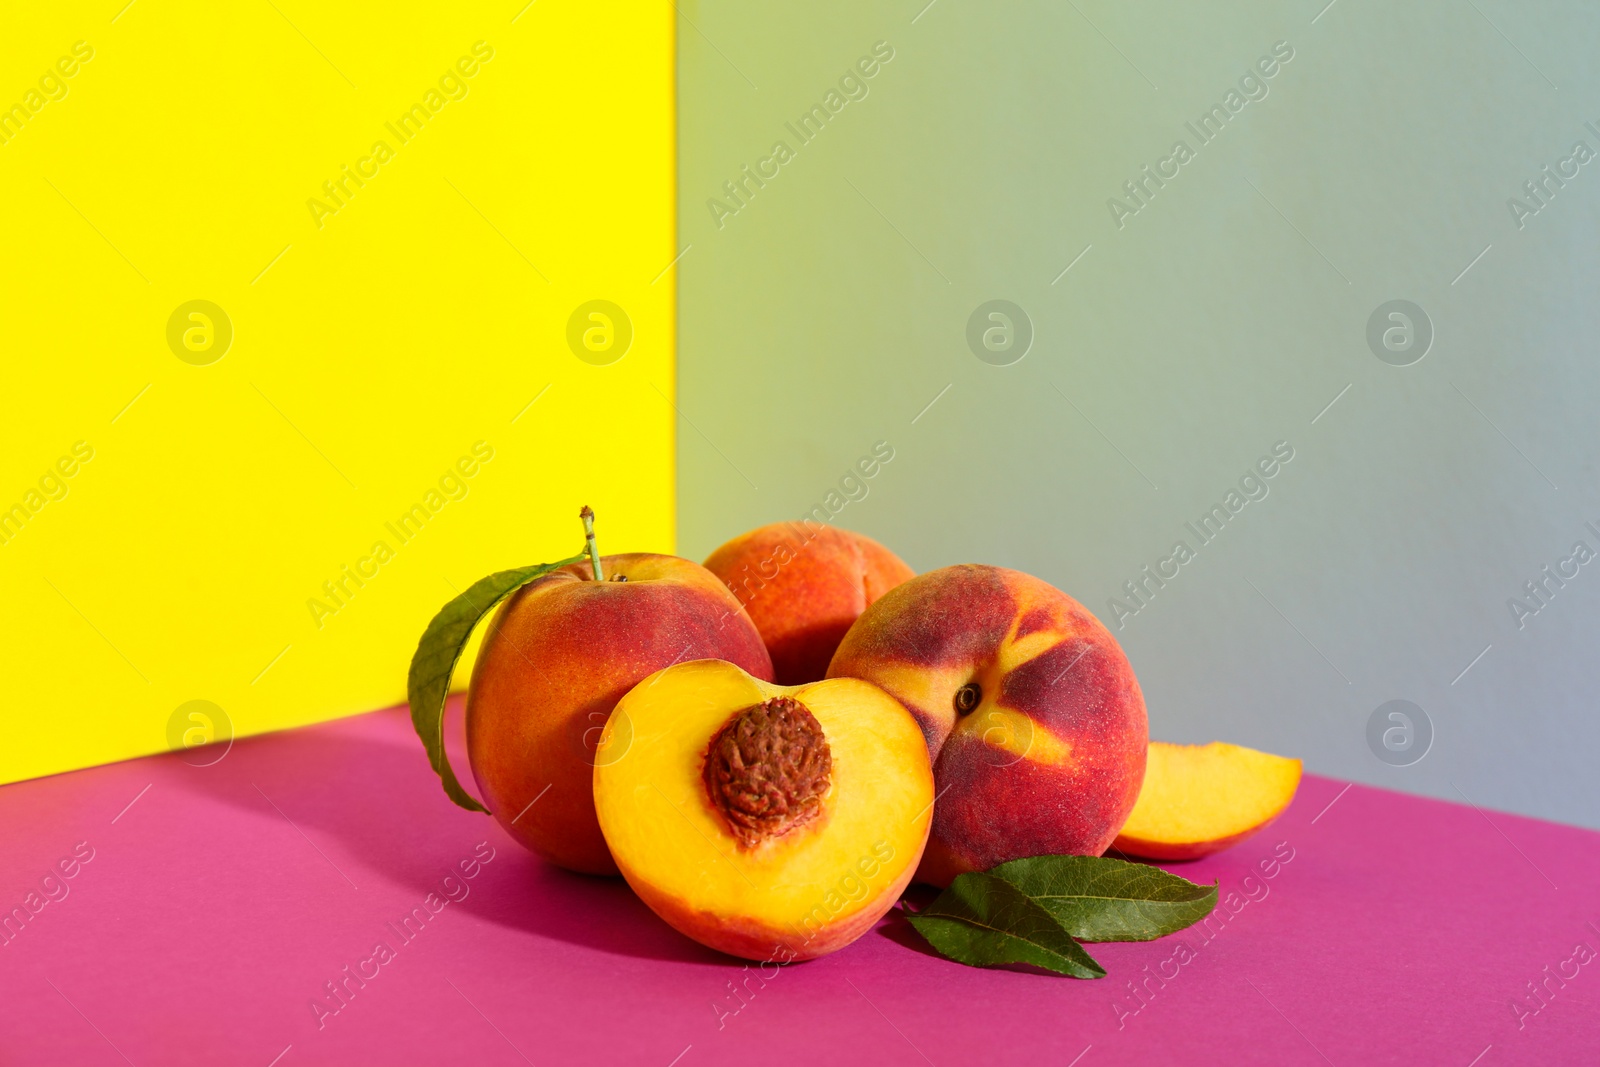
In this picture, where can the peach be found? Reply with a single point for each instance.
(804, 585)
(776, 823)
(1200, 799)
(1030, 711)
(557, 657)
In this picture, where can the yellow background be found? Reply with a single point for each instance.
(368, 354)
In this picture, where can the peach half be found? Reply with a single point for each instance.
(769, 822)
(1200, 799)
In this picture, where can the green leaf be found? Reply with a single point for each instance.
(439, 651)
(984, 921)
(1096, 898)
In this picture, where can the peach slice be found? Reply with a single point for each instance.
(1200, 799)
(770, 822)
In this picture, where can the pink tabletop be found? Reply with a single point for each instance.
(208, 908)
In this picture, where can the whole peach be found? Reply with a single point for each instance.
(1031, 712)
(558, 656)
(804, 585)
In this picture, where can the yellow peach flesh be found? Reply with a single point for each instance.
(1198, 799)
(839, 871)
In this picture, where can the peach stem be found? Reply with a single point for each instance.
(587, 515)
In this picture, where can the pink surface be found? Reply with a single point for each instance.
(217, 905)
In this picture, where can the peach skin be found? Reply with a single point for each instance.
(559, 654)
(1029, 708)
(804, 585)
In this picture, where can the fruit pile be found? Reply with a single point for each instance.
(772, 746)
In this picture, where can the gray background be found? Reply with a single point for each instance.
(1222, 318)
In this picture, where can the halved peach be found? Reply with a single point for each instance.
(1200, 799)
(770, 822)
